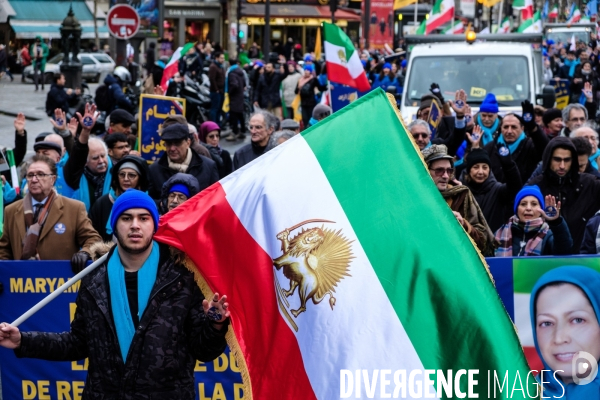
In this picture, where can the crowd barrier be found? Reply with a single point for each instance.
(27, 282)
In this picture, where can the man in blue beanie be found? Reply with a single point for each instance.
(141, 319)
(488, 119)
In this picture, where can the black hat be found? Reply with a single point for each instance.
(477, 156)
(550, 115)
(120, 116)
(175, 132)
(290, 124)
(42, 136)
(47, 145)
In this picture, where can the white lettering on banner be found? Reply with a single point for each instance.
(185, 13)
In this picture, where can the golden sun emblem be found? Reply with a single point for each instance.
(314, 261)
(342, 56)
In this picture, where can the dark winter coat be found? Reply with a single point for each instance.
(173, 333)
(116, 96)
(579, 194)
(248, 153)
(453, 137)
(267, 89)
(19, 152)
(216, 76)
(222, 158)
(202, 168)
(527, 155)
(307, 92)
(58, 98)
(557, 242)
(236, 83)
(588, 244)
(496, 199)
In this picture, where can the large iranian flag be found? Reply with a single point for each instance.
(173, 65)
(526, 7)
(386, 276)
(532, 25)
(442, 13)
(343, 63)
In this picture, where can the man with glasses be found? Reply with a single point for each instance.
(458, 197)
(578, 193)
(262, 125)
(45, 225)
(421, 133)
(574, 116)
(118, 146)
(179, 157)
(177, 190)
(591, 135)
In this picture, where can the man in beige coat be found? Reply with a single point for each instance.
(44, 225)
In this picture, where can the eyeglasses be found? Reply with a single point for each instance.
(420, 135)
(127, 175)
(30, 177)
(213, 136)
(559, 160)
(440, 171)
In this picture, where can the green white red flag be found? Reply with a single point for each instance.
(532, 25)
(526, 7)
(173, 64)
(441, 14)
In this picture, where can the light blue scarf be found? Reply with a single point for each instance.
(513, 146)
(114, 196)
(83, 193)
(118, 295)
(227, 77)
(488, 133)
(594, 159)
(572, 64)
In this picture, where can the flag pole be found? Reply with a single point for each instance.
(416, 6)
(500, 16)
(59, 290)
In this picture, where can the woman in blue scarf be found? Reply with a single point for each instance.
(565, 305)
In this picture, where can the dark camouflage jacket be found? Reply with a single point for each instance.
(172, 335)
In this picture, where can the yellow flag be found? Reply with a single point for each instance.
(490, 3)
(296, 108)
(403, 3)
(318, 44)
(225, 107)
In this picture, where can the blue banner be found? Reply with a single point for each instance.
(27, 282)
(153, 111)
(342, 95)
(561, 89)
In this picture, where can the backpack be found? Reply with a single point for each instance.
(102, 98)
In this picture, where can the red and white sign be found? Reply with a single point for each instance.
(123, 21)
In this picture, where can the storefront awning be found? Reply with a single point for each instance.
(285, 14)
(44, 17)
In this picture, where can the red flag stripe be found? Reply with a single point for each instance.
(339, 74)
(232, 263)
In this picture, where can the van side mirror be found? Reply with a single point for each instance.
(547, 98)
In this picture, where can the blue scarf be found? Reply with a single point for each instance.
(114, 196)
(312, 122)
(227, 77)
(588, 280)
(513, 146)
(594, 158)
(83, 193)
(118, 294)
(488, 133)
(572, 65)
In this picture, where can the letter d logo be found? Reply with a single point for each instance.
(584, 367)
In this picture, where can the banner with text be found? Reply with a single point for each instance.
(24, 284)
(153, 111)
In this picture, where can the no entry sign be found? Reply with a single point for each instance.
(123, 21)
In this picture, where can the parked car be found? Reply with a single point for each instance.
(95, 67)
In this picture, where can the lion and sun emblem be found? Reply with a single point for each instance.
(314, 261)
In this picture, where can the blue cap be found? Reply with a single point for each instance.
(259, 63)
(403, 64)
(364, 62)
(133, 198)
(530, 191)
(181, 188)
(490, 104)
(308, 57)
(387, 65)
(549, 42)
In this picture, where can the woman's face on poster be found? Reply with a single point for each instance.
(565, 325)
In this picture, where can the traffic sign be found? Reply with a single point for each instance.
(123, 21)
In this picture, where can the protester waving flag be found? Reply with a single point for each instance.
(343, 64)
(320, 269)
(173, 64)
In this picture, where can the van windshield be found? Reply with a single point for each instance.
(505, 76)
(565, 37)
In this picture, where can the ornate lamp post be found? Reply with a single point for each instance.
(70, 37)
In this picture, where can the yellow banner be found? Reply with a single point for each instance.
(403, 3)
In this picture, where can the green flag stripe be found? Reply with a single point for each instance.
(334, 35)
(427, 265)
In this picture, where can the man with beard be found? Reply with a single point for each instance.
(266, 95)
(177, 190)
(87, 171)
(141, 319)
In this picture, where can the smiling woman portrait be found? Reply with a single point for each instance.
(564, 305)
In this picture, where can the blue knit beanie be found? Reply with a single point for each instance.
(490, 104)
(133, 198)
(387, 65)
(181, 188)
(530, 191)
